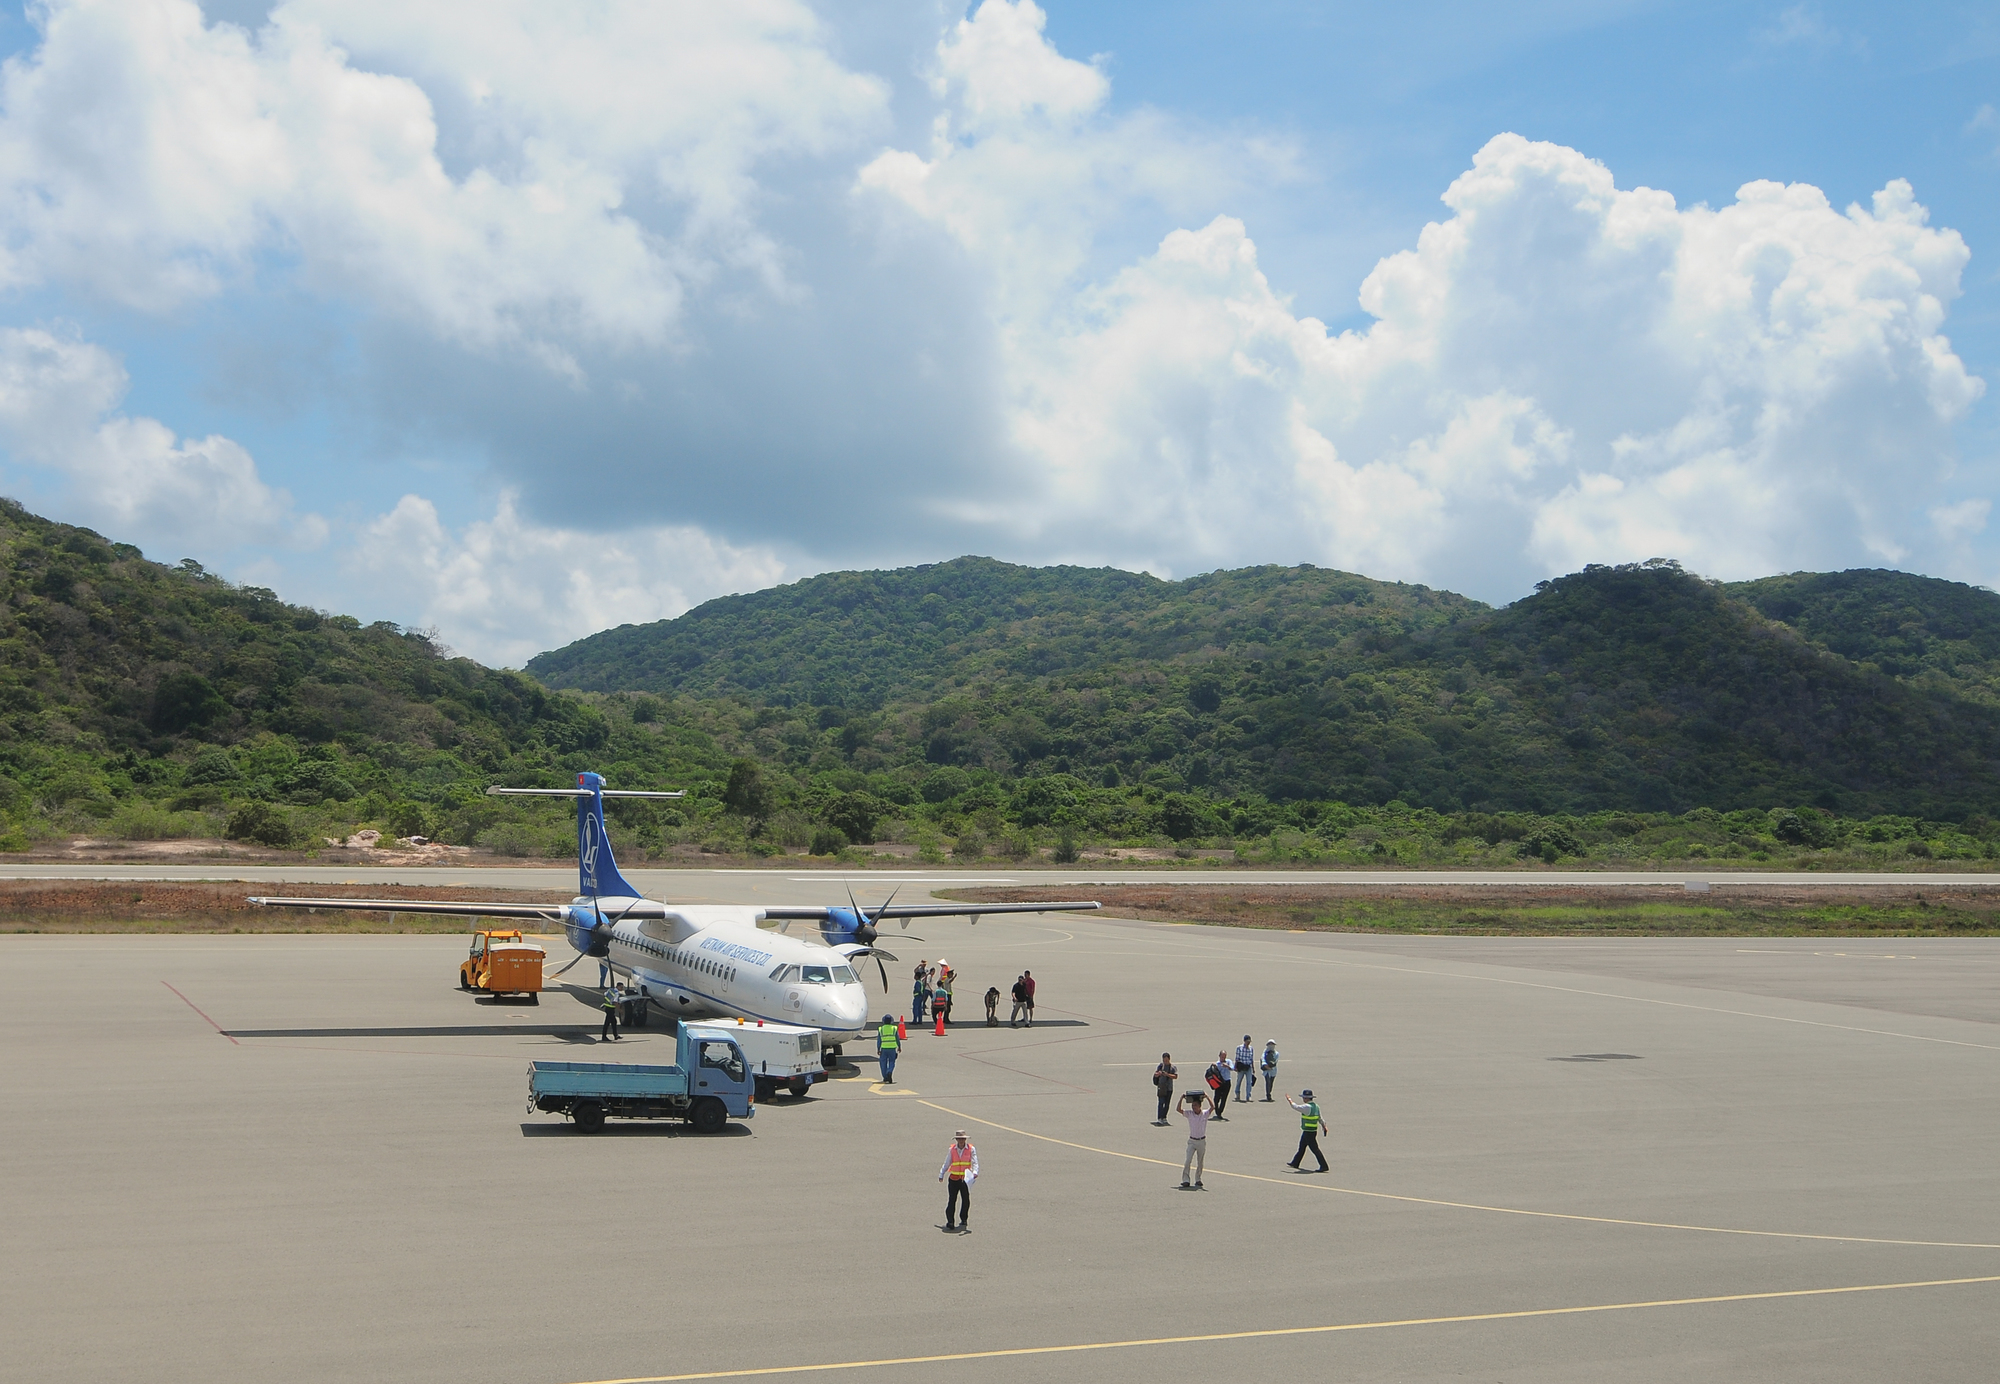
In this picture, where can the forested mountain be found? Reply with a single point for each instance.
(158, 701)
(1639, 687)
(863, 639)
(1634, 713)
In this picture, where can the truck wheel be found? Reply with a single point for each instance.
(589, 1116)
(766, 1089)
(708, 1116)
(463, 983)
(801, 1085)
(534, 999)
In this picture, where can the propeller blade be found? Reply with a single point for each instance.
(573, 960)
(885, 974)
(883, 906)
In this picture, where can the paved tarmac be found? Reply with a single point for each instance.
(305, 1157)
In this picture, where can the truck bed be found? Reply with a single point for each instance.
(605, 1079)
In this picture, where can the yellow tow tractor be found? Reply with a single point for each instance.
(503, 963)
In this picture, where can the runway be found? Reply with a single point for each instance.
(796, 885)
(303, 1157)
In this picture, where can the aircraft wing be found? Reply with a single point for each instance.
(548, 912)
(931, 910)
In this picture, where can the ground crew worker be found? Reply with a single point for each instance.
(612, 1000)
(1309, 1130)
(961, 1167)
(887, 1044)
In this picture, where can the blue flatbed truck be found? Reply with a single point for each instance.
(709, 1084)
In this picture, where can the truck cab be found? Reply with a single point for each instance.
(503, 962)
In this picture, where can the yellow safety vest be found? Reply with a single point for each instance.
(1309, 1117)
(886, 1037)
(960, 1160)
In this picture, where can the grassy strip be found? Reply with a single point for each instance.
(1734, 911)
(149, 906)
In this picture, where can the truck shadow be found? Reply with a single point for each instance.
(631, 1129)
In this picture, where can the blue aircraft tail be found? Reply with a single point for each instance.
(596, 867)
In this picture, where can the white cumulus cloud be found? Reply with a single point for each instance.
(505, 588)
(597, 168)
(1561, 371)
(132, 477)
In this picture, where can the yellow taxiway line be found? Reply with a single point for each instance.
(1296, 1331)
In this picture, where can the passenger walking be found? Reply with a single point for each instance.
(612, 999)
(1164, 1076)
(993, 1006)
(1028, 990)
(1309, 1130)
(961, 1169)
(887, 1046)
(1268, 1064)
(1020, 1001)
(1197, 1149)
(1246, 1069)
(1217, 1077)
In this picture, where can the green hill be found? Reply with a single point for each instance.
(1639, 687)
(863, 639)
(155, 701)
(1628, 714)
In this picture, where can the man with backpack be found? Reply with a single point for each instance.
(1164, 1076)
(1217, 1076)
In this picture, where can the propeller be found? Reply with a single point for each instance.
(865, 931)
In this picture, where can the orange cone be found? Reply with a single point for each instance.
(939, 1030)
(901, 1032)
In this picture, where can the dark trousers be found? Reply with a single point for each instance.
(887, 1057)
(1309, 1139)
(610, 1029)
(958, 1195)
(1221, 1099)
(1166, 1094)
(1269, 1077)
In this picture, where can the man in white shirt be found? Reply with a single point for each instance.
(1192, 1110)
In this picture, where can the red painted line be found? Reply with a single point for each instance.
(197, 1009)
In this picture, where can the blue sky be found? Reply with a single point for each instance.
(489, 319)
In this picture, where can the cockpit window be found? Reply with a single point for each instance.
(842, 975)
(777, 973)
(816, 975)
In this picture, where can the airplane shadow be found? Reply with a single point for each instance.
(631, 1129)
(567, 1034)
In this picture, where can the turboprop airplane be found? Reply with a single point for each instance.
(699, 961)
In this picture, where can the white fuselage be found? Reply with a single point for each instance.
(730, 968)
